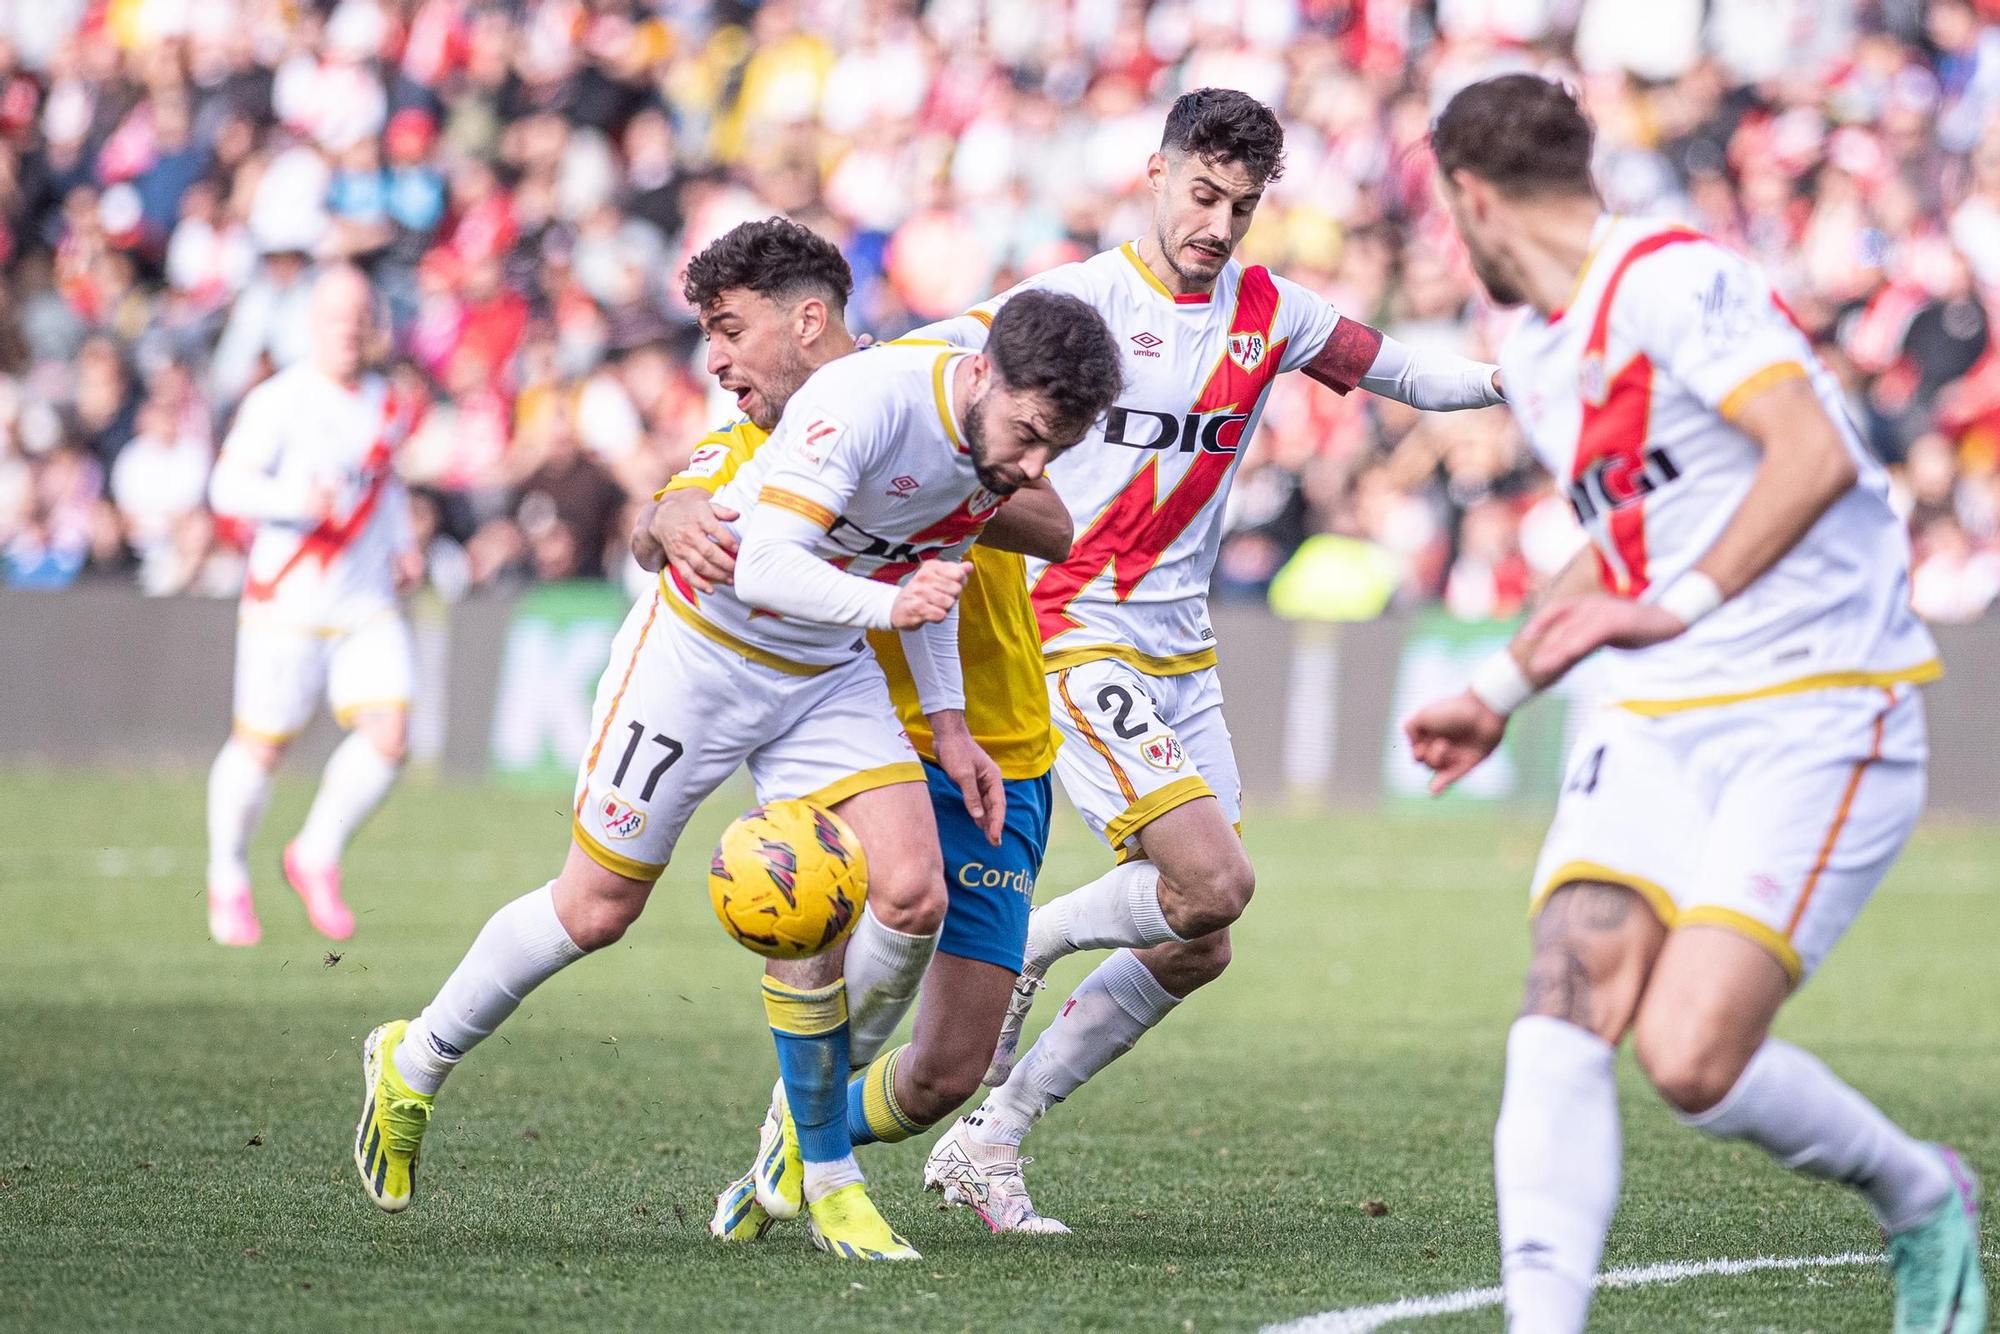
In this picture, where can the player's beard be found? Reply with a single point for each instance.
(1497, 284)
(769, 401)
(997, 478)
(1200, 277)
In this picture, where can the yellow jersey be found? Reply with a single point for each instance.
(1006, 701)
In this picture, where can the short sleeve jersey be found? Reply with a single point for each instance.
(1629, 397)
(1147, 486)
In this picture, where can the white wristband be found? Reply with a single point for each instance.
(1500, 684)
(1690, 597)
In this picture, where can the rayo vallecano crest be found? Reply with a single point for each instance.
(1247, 350)
(1590, 379)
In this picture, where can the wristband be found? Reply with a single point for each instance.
(1500, 684)
(1690, 597)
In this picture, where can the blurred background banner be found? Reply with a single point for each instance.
(507, 688)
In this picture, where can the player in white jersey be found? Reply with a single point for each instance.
(882, 470)
(1124, 620)
(310, 461)
(1725, 818)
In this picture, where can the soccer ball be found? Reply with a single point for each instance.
(788, 880)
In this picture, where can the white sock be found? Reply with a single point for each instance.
(884, 969)
(1790, 1105)
(822, 1178)
(238, 789)
(520, 947)
(357, 777)
(1109, 1012)
(1556, 1164)
(1121, 907)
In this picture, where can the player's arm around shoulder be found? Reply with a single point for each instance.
(1034, 521)
(682, 526)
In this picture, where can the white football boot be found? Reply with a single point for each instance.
(985, 1178)
(1007, 1050)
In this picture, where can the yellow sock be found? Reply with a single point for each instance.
(873, 1114)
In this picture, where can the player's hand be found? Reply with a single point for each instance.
(409, 572)
(969, 766)
(1451, 736)
(1564, 633)
(929, 594)
(685, 529)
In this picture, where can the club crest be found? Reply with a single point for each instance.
(621, 818)
(1163, 751)
(1247, 350)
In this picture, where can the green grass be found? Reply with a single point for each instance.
(178, 1117)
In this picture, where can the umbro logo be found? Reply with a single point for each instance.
(902, 487)
(1146, 342)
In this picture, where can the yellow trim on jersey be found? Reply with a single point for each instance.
(1596, 873)
(944, 399)
(701, 625)
(1590, 257)
(347, 713)
(1178, 664)
(980, 315)
(1756, 932)
(739, 441)
(1921, 674)
(1733, 401)
(1150, 808)
(918, 342)
(611, 861)
(1006, 695)
(800, 505)
(888, 775)
(1152, 279)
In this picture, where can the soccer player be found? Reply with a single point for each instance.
(1722, 823)
(309, 461)
(770, 301)
(880, 475)
(1128, 653)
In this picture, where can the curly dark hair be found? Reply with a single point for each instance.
(1521, 132)
(774, 257)
(1059, 347)
(1224, 125)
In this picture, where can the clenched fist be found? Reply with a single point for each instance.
(929, 594)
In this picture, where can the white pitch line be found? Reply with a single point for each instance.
(1363, 1319)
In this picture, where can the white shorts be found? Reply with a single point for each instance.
(676, 712)
(1775, 818)
(1135, 746)
(281, 672)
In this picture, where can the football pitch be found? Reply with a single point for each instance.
(1309, 1135)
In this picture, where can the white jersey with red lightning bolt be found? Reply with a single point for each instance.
(1147, 486)
(1629, 395)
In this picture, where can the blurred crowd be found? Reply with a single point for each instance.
(524, 179)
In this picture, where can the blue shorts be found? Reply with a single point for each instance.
(991, 888)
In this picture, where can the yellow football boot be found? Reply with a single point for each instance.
(845, 1223)
(779, 1175)
(738, 1216)
(394, 1117)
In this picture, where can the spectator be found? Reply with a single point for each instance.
(524, 182)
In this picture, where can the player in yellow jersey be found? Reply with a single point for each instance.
(761, 349)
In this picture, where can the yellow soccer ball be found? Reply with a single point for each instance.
(788, 880)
